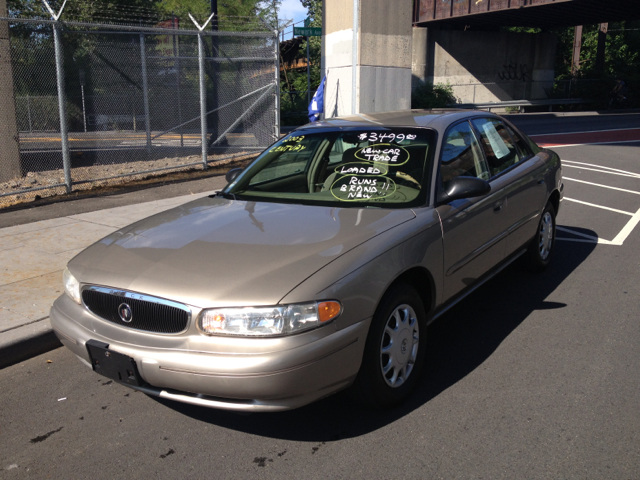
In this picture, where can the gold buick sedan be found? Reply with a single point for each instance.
(318, 267)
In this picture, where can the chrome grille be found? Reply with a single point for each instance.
(146, 313)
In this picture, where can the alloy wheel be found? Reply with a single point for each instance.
(399, 346)
(546, 235)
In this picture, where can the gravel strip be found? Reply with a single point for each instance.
(111, 175)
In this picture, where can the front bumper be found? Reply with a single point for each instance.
(247, 374)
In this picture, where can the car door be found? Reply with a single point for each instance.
(512, 162)
(474, 231)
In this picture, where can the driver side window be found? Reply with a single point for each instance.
(461, 155)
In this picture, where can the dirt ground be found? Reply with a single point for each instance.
(45, 186)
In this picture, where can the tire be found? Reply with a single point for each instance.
(395, 349)
(541, 248)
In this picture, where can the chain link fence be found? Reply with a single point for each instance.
(131, 101)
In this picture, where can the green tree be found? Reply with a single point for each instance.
(294, 105)
(622, 59)
(427, 95)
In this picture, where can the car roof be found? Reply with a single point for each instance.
(438, 119)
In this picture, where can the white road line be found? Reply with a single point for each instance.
(601, 166)
(599, 206)
(603, 186)
(564, 165)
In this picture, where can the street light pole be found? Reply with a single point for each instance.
(308, 75)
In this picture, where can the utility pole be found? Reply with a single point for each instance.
(602, 40)
(577, 46)
(9, 149)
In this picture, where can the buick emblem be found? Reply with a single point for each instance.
(403, 346)
(126, 315)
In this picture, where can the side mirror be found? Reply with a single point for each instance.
(232, 174)
(463, 187)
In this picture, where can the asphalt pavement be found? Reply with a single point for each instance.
(531, 376)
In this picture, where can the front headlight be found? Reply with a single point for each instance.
(267, 321)
(71, 286)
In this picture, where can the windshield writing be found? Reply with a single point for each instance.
(385, 167)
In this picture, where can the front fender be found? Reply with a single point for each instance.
(360, 277)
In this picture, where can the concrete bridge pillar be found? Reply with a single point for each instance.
(380, 37)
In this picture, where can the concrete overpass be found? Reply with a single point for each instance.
(523, 13)
(375, 50)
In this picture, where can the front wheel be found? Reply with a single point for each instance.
(539, 253)
(395, 349)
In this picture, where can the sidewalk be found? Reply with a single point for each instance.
(33, 256)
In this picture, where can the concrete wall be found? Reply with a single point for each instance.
(393, 57)
(9, 153)
(383, 68)
(511, 66)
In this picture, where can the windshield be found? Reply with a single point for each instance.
(384, 167)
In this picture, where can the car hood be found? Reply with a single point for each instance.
(215, 252)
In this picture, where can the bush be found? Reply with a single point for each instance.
(427, 95)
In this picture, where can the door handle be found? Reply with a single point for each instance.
(497, 207)
(540, 182)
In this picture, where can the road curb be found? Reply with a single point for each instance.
(24, 346)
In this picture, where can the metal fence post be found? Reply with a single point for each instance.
(203, 100)
(29, 113)
(203, 92)
(145, 90)
(277, 125)
(64, 134)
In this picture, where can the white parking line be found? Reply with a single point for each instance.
(564, 165)
(586, 238)
(630, 225)
(602, 168)
(618, 240)
(599, 206)
(627, 229)
(603, 186)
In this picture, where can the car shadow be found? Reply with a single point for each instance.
(458, 343)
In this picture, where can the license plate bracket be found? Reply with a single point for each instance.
(116, 366)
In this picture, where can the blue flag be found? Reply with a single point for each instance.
(316, 107)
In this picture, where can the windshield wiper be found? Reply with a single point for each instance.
(229, 196)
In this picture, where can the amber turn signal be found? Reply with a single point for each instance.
(328, 310)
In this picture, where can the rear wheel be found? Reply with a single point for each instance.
(395, 348)
(540, 250)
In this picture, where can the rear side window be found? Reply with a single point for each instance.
(461, 155)
(525, 150)
(498, 146)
